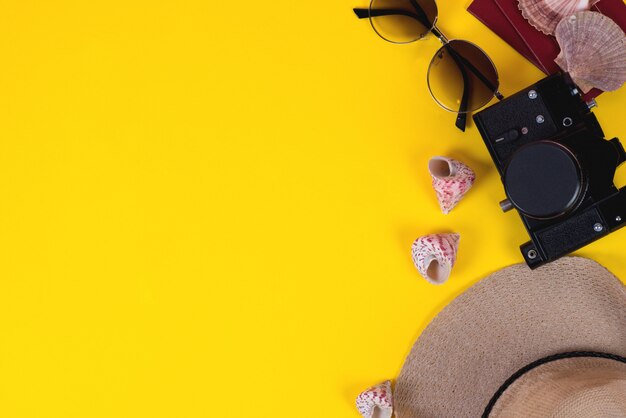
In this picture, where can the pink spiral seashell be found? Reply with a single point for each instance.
(435, 255)
(451, 180)
(376, 402)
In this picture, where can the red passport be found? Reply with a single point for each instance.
(504, 18)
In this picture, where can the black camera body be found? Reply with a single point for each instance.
(556, 166)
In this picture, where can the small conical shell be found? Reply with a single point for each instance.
(435, 255)
(376, 402)
(451, 180)
(545, 15)
(593, 51)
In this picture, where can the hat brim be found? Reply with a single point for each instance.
(501, 324)
(575, 384)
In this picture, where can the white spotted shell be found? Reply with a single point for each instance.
(545, 15)
(435, 255)
(451, 180)
(593, 51)
(376, 402)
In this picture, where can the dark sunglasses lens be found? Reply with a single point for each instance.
(402, 21)
(461, 77)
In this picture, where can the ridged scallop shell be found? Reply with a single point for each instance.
(545, 15)
(451, 180)
(593, 51)
(376, 401)
(435, 255)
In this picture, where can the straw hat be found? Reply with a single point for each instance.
(520, 343)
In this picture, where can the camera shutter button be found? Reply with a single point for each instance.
(544, 180)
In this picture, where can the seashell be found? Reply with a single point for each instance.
(545, 15)
(435, 255)
(593, 51)
(376, 402)
(451, 180)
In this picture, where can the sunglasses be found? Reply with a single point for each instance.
(461, 77)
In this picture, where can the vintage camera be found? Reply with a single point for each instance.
(556, 166)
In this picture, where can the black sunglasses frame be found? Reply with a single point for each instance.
(463, 64)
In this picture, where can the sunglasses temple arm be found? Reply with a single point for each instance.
(461, 118)
(423, 18)
(474, 70)
(361, 13)
(365, 13)
(461, 121)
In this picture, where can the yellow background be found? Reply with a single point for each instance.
(207, 207)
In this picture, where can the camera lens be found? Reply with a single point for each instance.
(543, 180)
